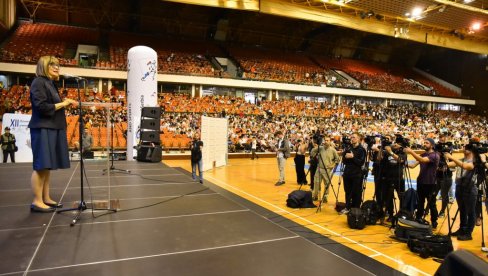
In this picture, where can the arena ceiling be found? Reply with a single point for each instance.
(444, 23)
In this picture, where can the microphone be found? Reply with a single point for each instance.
(67, 76)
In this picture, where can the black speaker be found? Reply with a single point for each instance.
(149, 154)
(150, 124)
(151, 112)
(88, 155)
(150, 136)
(462, 262)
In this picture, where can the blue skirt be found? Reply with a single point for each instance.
(49, 149)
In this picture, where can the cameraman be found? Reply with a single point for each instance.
(379, 167)
(466, 191)
(327, 159)
(313, 160)
(393, 179)
(354, 157)
(429, 161)
(444, 173)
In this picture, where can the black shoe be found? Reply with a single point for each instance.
(279, 183)
(434, 225)
(54, 205)
(37, 209)
(459, 232)
(464, 237)
(201, 181)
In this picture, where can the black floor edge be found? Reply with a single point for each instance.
(341, 250)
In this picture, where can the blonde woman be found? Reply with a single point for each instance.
(48, 132)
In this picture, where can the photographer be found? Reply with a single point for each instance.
(301, 149)
(327, 159)
(466, 190)
(444, 173)
(428, 161)
(393, 178)
(354, 156)
(313, 160)
(379, 167)
(8, 145)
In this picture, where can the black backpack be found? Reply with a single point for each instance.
(410, 201)
(356, 218)
(371, 211)
(408, 229)
(437, 246)
(300, 199)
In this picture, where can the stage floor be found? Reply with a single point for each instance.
(166, 224)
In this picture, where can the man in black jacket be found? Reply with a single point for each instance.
(354, 158)
(8, 145)
(196, 158)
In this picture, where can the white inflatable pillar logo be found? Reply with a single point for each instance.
(142, 85)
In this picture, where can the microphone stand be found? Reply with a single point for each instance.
(112, 167)
(82, 204)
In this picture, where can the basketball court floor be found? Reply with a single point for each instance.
(167, 224)
(253, 180)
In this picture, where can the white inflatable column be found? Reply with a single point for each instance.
(142, 91)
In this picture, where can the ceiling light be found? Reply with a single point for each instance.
(476, 26)
(416, 12)
(468, 1)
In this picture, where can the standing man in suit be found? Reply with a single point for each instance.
(282, 153)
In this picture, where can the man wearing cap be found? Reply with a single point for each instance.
(8, 145)
(426, 181)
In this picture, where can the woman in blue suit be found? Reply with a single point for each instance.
(48, 132)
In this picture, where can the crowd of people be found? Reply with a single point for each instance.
(298, 119)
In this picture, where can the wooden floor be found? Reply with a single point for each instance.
(254, 180)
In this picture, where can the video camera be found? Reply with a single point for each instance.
(402, 141)
(385, 142)
(479, 148)
(346, 144)
(318, 138)
(370, 140)
(443, 147)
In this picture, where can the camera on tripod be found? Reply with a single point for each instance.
(479, 148)
(346, 144)
(385, 142)
(444, 147)
(370, 140)
(402, 141)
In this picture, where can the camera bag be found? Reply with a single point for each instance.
(300, 199)
(356, 218)
(408, 229)
(437, 246)
(371, 211)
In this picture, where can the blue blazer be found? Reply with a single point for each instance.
(44, 95)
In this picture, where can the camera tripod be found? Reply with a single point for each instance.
(479, 197)
(329, 182)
